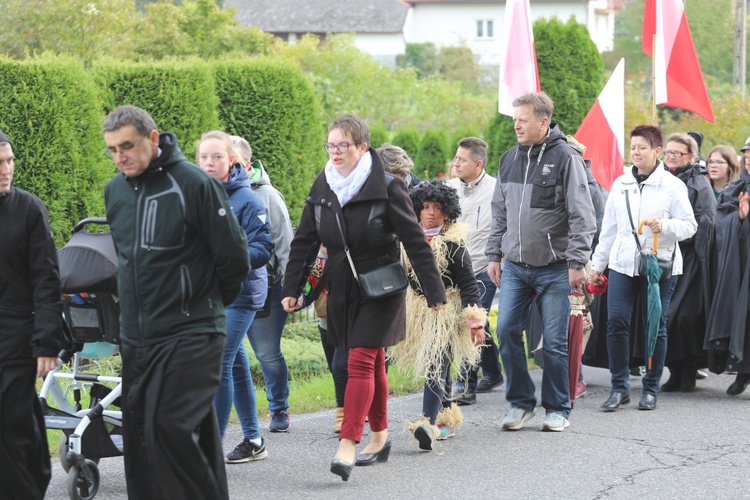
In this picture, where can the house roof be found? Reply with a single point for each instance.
(321, 16)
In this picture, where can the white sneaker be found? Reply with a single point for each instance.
(516, 417)
(555, 422)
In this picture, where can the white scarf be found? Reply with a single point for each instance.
(431, 232)
(347, 188)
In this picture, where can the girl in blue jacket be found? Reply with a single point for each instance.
(218, 158)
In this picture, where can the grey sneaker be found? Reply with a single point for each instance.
(555, 422)
(247, 451)
(516, 417)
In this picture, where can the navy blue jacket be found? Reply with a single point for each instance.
(251, 213)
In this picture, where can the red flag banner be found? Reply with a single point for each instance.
(603, 130)
(678, 77)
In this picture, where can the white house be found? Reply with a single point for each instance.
(478, 24)
(378, 25)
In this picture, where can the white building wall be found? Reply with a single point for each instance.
(382, 46)
(456, 24)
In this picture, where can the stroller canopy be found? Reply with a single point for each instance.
(88, 262)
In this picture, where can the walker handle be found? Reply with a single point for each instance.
(656, 235)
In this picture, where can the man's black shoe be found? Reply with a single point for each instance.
(467, 398)
(486, 384)
(615, 400)
(647, 402)
(739, 385)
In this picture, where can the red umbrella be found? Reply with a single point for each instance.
(575, 338)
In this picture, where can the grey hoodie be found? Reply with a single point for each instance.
(541, 209)
(278, 219)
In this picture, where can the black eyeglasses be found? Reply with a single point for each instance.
(716, 162)
(123, 148)
(676, 154)
(341, 147)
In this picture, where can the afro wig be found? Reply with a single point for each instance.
(438, 192)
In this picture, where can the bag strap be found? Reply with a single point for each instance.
(630, 216)
(13, 278)
(346, 248)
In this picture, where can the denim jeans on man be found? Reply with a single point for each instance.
(621, 296)
(518, 286)
(265, 339)
(236, 384)
(490, 356)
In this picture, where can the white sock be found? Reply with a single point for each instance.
(256, 441)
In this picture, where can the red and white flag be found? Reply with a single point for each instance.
(518, 72)
(603, 130)
(679, 80)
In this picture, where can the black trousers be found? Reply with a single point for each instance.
(170, 433)
(24, 455)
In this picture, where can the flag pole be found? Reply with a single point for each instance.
(654, 120)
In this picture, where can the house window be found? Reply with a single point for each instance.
(485, 28)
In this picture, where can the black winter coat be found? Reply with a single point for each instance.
(374, 239)
(688, 309)
(30, 323)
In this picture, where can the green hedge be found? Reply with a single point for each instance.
(272, 105)
(433, 154)
(52, 113)
(179, 96)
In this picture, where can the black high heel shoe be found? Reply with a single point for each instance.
(341, 468)
(372, 458)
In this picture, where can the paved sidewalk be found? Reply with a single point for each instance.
(692, 446)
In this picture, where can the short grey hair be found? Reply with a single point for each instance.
(242, 147)
(541, 102)
(477, 147)
(686, 141)
(129, 115)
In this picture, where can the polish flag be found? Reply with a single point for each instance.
(679, 80)
(518, 72)
(603, 130)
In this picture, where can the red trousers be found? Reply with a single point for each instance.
(366, 393)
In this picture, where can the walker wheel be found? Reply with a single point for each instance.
(63, 453)
(83, 482)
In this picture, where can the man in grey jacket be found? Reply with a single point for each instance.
(543, 223)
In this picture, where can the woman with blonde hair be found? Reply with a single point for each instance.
(218, 158)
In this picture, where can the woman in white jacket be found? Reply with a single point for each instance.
(648, 192)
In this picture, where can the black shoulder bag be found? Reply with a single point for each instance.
(378, 283)
(664, 264)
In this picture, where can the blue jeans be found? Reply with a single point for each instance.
(265, 338)
(490, 356)
(518, 286)
(621, 296)
(236, 384)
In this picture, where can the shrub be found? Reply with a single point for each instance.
(180, 96)
(52, 114)
(433, 153)
(272, 105)
(408, 140)
(378, 135)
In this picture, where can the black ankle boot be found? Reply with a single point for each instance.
(687, 384)
(739, 385)
(675, 380)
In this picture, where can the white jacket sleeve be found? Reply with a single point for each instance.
(681, 224)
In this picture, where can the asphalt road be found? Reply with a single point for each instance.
(692, 446)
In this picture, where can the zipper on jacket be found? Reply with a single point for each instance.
(520, 208)
(479, 211)
(135, 258)
(150, 222)
(186, 288)
(549, 238)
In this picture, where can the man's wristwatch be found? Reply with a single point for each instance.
(575, 265)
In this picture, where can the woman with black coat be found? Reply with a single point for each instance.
(352, 195)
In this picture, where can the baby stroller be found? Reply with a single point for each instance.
(88, 279)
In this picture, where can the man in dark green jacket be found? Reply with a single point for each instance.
(181, 258)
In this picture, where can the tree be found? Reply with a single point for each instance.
(408, 140)
(433, 154)
(571, 72)
(423, 57)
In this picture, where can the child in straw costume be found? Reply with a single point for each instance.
(435, 340)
